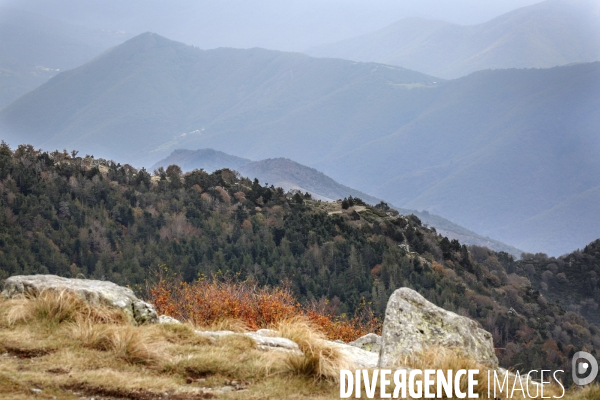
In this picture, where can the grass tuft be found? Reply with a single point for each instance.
(228, 324)
(591, 392)
(53, 308)
(447, 359)
(131, 344)
(318, 359)
(183, 334)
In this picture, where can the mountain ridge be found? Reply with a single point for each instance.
(546, 34)
(34, 48)
(290, 175)
(134, 66)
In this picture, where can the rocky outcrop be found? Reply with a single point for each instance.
(370, 342)
(263, 338)
(165, 319)
(95, 292)
(358, 357)
(413, 324)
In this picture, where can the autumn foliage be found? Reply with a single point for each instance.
(207, 302)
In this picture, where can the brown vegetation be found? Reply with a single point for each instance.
(207, 302)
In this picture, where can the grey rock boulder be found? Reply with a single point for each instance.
(358, 357)
(262, 338)
(92, 291)
(370, 342)
(413, 324)
(165, 319)
(266, 342)
(215, 334)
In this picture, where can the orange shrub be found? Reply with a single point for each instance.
(205, 302)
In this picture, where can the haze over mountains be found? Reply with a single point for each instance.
(505, 153)
(548, 34)
(151, 94)
(291, 25)
(34, 48)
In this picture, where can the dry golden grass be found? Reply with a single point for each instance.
(318, 359)
(53, 308)
(591, 392)
(183, 334)
(447, 359)
(132, 344)
(227, 324)
(70, 351)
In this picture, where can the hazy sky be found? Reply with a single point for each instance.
(275, 24)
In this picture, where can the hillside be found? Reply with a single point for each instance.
(290, 175)
(569, 280)
(279, 172)
(74, 216)
(454, 231)
(34, 48)
(547, 34)
(487, 151)
(160, 94)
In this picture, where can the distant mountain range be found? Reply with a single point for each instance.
(151, 94)
(547, 34)
(511, 154)
(290, 175)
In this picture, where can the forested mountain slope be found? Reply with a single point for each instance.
(503, 153)
(547, 34)
(570, 280)
(288, 174)
(68, 215)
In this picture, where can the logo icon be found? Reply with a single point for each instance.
(584, 364)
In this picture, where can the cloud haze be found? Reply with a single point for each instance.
(283, 25)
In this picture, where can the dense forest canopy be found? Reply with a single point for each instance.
(84, 217)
